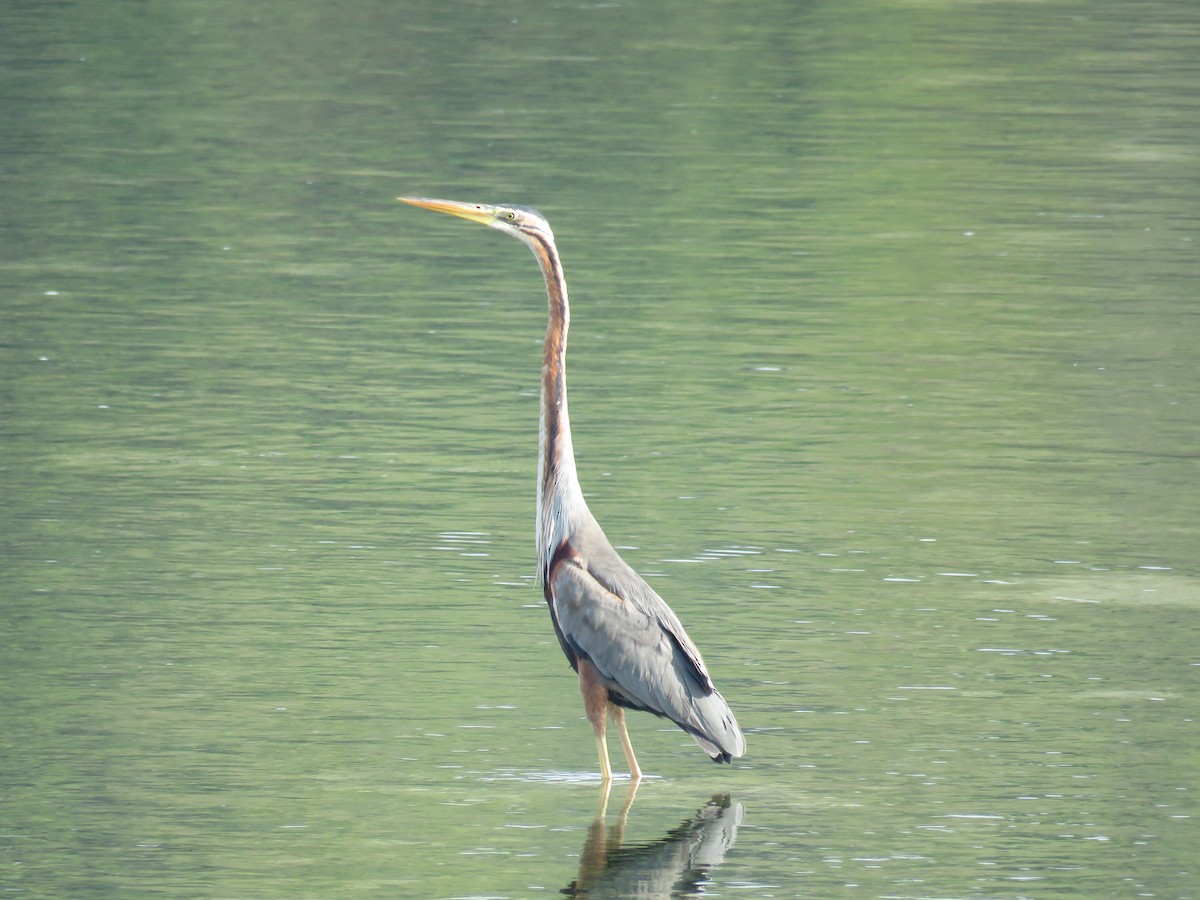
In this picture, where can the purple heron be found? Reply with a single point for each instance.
(629, 649)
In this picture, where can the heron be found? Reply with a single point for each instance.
(628, 647)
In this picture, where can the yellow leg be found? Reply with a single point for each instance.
(595, 699)
(602, 752)
(618, 716)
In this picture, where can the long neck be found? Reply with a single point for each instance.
(560, 503)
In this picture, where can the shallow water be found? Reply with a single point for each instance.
(883, 372)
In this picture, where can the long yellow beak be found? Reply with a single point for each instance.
(476, 212)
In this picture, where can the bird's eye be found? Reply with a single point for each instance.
(511, 216)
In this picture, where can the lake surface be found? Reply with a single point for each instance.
(884, 373)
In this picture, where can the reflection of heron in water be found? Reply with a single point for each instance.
(629, 648)
(677, 865)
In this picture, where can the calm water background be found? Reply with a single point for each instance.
(884, 371)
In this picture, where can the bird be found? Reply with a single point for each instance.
(628, 647)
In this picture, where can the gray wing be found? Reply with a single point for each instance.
(608, 614)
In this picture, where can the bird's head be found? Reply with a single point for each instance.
(519, 221)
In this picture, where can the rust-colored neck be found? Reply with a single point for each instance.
(560, 501)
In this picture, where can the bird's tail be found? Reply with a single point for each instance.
(715, 729)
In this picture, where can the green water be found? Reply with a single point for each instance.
(883, 371)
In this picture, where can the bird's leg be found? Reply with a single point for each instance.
(605, 768)
(595, 704)
(618, 717)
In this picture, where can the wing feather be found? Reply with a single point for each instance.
(642, 653)
(604, 611)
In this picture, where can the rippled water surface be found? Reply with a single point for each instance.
(883, 371)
